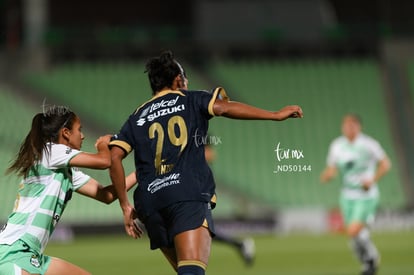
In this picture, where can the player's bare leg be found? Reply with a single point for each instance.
(61, 267)
(354, 228)
(193, 249)
(171, 256)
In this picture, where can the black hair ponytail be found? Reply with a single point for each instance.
(162, 71)
(45, 129)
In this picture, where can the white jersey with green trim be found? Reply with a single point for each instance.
(42, 197)
(356, 161)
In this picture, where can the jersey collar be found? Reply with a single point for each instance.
(164, 92)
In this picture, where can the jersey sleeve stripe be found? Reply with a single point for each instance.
(220, 93)
(121, 144)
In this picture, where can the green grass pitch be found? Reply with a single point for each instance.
(288, 255)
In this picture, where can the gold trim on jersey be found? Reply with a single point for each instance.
(121, 144)
(219, 91)
(159, 94)
(213, 201)
(205, 223)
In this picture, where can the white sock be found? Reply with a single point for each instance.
(364, 248)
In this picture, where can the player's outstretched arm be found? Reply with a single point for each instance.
(106, 194)
(98, 160)
(238, 110)
(118, 180)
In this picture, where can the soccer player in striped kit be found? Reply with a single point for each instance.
(48, 161)
(361, 162)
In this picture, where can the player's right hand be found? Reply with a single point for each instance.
(132, 227)
(291, 111)
(296, 111)
(103, 140)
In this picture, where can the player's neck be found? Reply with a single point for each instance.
(352, 138)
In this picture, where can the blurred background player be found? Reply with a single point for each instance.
(361, 163)
(47, 159)
(246, 247)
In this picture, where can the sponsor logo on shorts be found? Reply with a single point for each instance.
(34, 260)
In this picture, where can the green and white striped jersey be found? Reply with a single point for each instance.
(42, 198)
(355, 162)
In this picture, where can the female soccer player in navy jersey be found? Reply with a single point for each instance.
(175, 182)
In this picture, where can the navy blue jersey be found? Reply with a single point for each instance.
(166, 136)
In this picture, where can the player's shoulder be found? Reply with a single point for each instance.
(217, 92)
(58, 148)
(57, 155)
(196, 92)
(370, 142)
(198, 96)
(367, 139)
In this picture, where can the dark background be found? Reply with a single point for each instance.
(112, 29)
